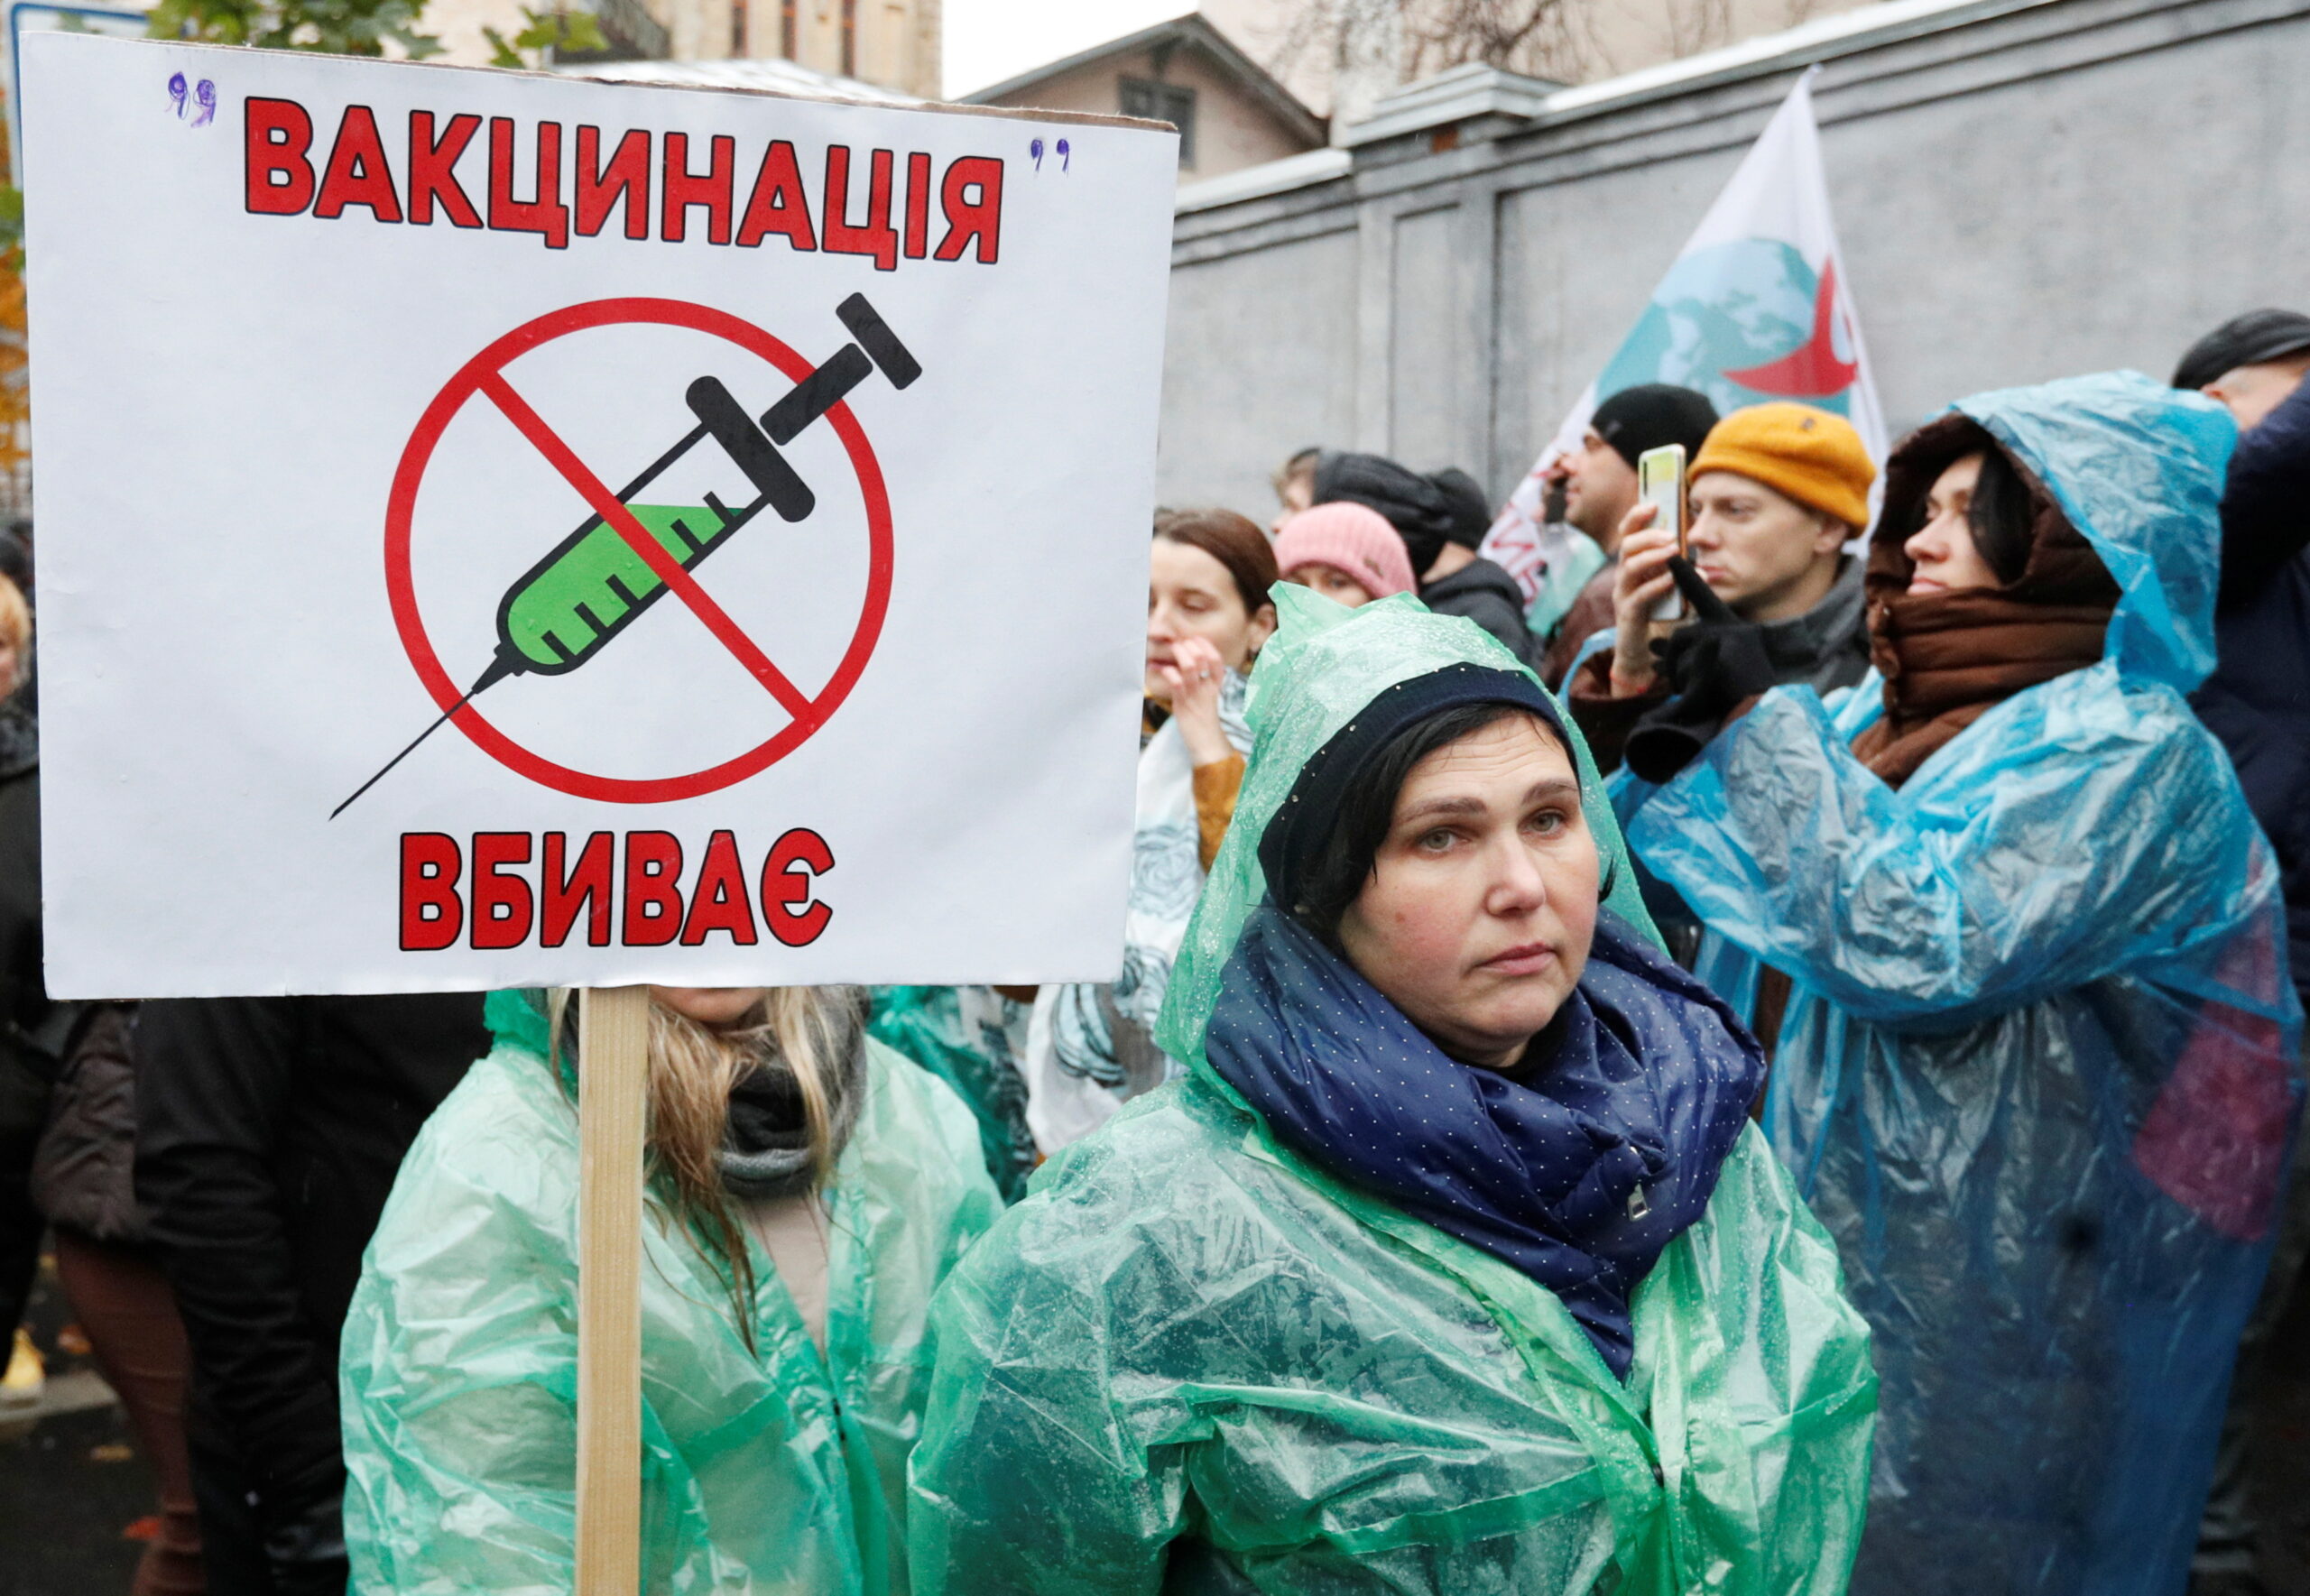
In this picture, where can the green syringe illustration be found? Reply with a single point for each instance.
(563, 611)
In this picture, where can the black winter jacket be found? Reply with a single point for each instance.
(26, 1071)
(1488, 595)
(84, 1171)
(2258, 699)
(269, 1131)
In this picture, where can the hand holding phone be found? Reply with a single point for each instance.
(1660, 483)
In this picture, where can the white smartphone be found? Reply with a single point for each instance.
(1660, 483)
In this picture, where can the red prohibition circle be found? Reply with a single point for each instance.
(402, 592)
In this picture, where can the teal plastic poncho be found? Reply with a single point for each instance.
(2036, 1072)
(974, 1039)
(764, 1469)
(1190, 1356)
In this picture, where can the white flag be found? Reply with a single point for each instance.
(1757, 308)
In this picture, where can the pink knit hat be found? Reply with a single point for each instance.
(1348, 538)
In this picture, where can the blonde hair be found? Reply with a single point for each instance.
(16, 617)
(693, 1069)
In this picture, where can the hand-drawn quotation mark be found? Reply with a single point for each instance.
(1066, 155)
(202, 94)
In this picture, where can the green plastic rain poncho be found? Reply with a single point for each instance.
(775, 1470)
(1192, 1360)
(974, 1039)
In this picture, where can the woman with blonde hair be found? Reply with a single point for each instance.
(808, 1191)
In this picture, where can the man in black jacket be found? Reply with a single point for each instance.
(26, 1071)
(1599, 480)
(2258, 702)
(269, 1131)
(32, 1030)
(2258, 699)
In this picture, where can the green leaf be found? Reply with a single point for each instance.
(560, 30)
(339, 27)
(500, 54)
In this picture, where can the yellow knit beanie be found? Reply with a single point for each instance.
(1808, 454)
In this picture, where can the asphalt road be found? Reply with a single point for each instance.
(71, 1489)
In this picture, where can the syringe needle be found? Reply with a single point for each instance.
(498, 671)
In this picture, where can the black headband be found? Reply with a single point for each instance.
(1295, 838)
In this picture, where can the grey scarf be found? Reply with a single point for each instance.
(1828, 644)
(766, 1151)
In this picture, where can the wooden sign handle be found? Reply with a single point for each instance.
(613, 1082)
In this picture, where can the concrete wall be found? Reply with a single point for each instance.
(1226, 413)
(2023, 188)
(1232, 129)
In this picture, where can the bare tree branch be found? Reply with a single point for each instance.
(1559, 39)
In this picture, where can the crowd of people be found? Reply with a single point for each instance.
(1797, 1097)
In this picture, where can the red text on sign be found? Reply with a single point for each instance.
(863, 206)
(511, 889)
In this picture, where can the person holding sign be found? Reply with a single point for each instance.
(809, 1189)
(1454, 1263)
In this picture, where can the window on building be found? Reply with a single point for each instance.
(850, 38)
(738, 28)
(787, 20)
(1163, 102)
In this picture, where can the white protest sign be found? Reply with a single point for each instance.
(774, 475)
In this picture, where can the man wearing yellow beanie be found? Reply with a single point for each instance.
(1775, 492)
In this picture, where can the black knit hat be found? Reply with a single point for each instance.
(1426, 511)
(1651, 415)
(2244, 340)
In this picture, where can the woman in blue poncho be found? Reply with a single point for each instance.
(2019, 937)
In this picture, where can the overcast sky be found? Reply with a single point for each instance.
(988, 41)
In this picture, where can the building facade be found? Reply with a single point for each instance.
(1230, 111)
(891, 44)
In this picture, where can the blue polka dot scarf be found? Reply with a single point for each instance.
(1578, 1178)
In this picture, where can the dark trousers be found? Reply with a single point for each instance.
(124, 1306)
(232, 1546)
(2229, 1532)
(23, 1110)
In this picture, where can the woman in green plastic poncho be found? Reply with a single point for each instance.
(809, 1191)
(1453, 1264)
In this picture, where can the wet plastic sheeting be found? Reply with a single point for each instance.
(770, 1467)
(2038, 1072)
(1191, 1362)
